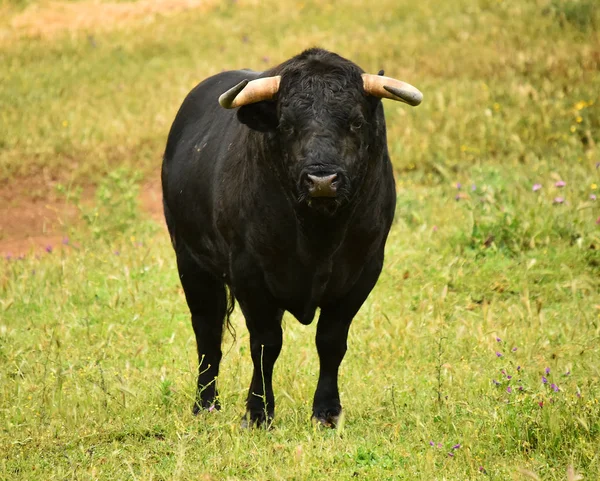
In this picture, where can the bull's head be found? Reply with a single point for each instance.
(327, 122)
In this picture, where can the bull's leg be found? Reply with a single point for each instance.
(263, 319)
(207, 300)
(264, 326)
(331, 340)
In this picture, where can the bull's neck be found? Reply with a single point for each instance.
(321, 233)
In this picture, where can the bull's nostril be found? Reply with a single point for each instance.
(322, 185)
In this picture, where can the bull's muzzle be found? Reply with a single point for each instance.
(322, 185)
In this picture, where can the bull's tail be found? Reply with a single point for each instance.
(229, 312)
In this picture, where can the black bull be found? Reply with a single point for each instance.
(285, 196)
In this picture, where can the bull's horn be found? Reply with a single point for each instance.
(250, 92)
(389, 88)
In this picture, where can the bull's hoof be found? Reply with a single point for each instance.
(329, 418)
(209, 406)
(258, 419)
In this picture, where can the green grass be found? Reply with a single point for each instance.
(97, 355)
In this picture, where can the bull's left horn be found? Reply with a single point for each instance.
(390, 88)
(250, 92)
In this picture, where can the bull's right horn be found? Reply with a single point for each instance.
(250, 92)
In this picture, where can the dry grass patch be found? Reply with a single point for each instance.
(50, 19)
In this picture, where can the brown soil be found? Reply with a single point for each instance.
(31, 225)
(151, 199)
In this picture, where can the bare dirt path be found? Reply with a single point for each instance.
(35, 225)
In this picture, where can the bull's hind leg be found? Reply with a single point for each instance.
(207, 300)
(331, 339)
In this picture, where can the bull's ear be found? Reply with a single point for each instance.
(261, 116)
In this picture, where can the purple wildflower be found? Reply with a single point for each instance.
(592, 196)
(547, 371)
(49, 249)
(578, 393)
(435, 228)
(457, 197)
(536, 187)
(514, 349)
(559, 200)
(560, 183)
(451, 455)
(498, 339)
(544, 380)
(117, 253)
(541, 404)
(65, 241)
(439, 445)
(431, 443)
(554, 387)
(456, 446)
(498, 354)
(509, 390)
(508, 377)
(495, 382)
(520, 388)
(568, 373)
(518, 368)
(482, 470)
(458, 185)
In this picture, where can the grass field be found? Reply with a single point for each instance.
(477, 356)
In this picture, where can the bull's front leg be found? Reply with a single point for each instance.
(331, 339)
(263, 319)
(265, 346)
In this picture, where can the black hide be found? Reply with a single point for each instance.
(240, 207)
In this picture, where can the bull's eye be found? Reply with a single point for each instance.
(356, 125)
(287, 129)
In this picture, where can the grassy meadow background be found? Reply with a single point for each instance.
(477, 356)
